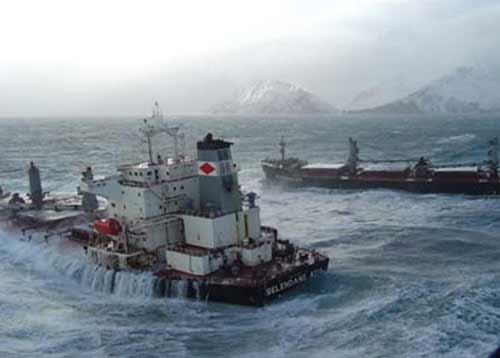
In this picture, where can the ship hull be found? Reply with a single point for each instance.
(221, 286)
(450, 185)
(239, 291)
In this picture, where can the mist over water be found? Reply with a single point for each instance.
(410, 275)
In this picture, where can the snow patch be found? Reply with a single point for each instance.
(274, 97)
(463, 91)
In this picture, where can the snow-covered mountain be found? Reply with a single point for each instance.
(274, 97)
(465, 90)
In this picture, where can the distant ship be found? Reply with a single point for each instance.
(187, 222)
(422, 177)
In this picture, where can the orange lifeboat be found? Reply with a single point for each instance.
(108, 227)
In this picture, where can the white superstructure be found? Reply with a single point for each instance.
(178, 213)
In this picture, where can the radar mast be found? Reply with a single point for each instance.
(151, 129)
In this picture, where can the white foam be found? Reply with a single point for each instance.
(71, 262)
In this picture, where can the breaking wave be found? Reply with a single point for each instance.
(71, 263)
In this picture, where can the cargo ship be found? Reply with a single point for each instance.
(189, 224)
(420, 177)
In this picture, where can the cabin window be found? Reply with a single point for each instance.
(149, 173)
(124, 207)
(135, 173)
(140, 173)
(168, 173)
(175, 188)
(123, 192)
(138, 194)
(182, 187)
(113, 205)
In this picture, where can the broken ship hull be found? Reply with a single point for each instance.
(455, 182)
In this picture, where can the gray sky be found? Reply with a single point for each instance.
(115, 57)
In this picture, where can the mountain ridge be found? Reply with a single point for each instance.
(466, 90)
(273, 97)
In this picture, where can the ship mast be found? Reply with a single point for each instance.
(282, 145)
(493, 155)
(353, 158)
(150, 130)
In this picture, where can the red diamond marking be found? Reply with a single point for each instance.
(207, 168)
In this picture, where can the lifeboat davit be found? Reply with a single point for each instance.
(108, 227)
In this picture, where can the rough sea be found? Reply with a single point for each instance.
(410, 275)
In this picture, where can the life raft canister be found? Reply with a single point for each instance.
(108, 227)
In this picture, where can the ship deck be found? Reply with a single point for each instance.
(258, 275)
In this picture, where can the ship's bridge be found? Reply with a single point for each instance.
(154, 173)
(145, 190)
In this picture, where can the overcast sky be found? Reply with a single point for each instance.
(115, 57)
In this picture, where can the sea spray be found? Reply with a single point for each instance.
(71, 262)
